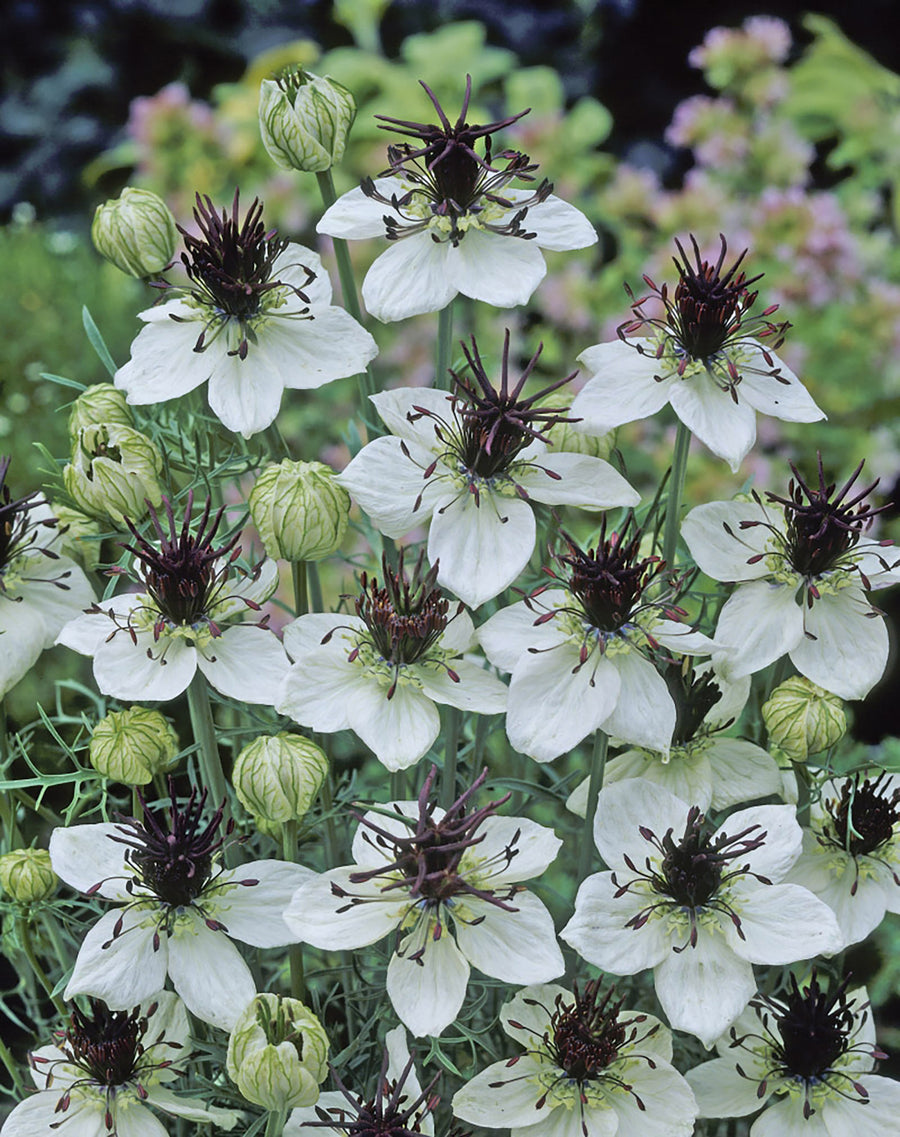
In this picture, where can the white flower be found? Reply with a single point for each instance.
(701, 358)
(851, 851)
(258, 319)
(40, 589)
(590, 1069)
(448, 883)
(802, 565)
(106, 1068)
(696, 906)
(454, 222)
(178, 908)
(810, 1054)
(149, 644)
(578, 657)
(380, 672)
(472, 463)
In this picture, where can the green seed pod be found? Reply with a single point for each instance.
(133, 745)
(802, 719)
(114, 472)
(276, 777)
(278, 1053)
(101, 403)
(26, 875)
(299, 510)
(136, 232)
(79, 536)
(304, 120)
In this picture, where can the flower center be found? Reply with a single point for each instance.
(105, 1044)
(694, 695)
(863, 818)
(585, 1036)
(16, 531)
(390, 1113)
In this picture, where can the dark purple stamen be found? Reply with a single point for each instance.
(694, 695)
(18, 533)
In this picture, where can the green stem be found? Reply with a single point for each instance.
(444, 348)
(315, 587)
(676, 487)
(801, 772)
(10, 1063)
(275, 1123)
(398, 785)
(301, 587)
(451, 746)
(598, 768)
(52, 932)
(28, 948)
(295, 951)
(204, 728)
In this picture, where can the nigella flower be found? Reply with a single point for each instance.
(703, 355)
(699, 907)
(454, 220)
(256, 317)
(473, 462)
(590, 1069)
(802, 566)
(149, 644)
(449, 884)
(99, 1075)
(178, 908)
(851, 851)
(578, 653)
(807, 1055)
(380, 672)
(40, 588)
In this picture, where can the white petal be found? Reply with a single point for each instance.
(36, 1116)
(208, 972)
(623, 809)
(389, 485)
(248, 664)
(23, 635)
(124, 670)
(534, 849)
(721, 1091)
(687, 776)
(598, 933)
(133, 1120)
(480, 549)
(559, 225)
(644, 713)
(54, 605)
(830, 874)
(741, 771)
(789, 400)
(307, 632)
(502, 271)
(399, 730)
(191, 1108)
(330, 346)
(318, 690)
(254, 913)
(587, 482)
(355, 215)
(518, 947)
(459, 635)
(704, 988)
(474, 689)
(781, 923)
(531, 1008)
(86, 632)
(503, 1096)
(681, 638)
(333, 922)
(126, 972)
(84, 855)
(783, 838)
(728, 429)
(720, 546)
(621, 387)
(396, 406)
(427, 995)
(850, 650)
(760, 622)
(290, 268)
(373, 851)
(509, 633)
(848, 1118)
(785, 1119)
(163, 362)
(667, 1105)
(246, 393)
(412, 277)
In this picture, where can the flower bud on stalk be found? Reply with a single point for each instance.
(100, 403)
(26, 875)
(802, 719)
(299, 510)
(304, 120)
(278, 1053)
(114, 472)
(136, 232)
(277, 777)
(132, 746)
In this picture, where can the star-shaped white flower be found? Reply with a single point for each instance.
(178, 908)
(590, 1068)
(449, 884)
(257, 320)
(699, 908)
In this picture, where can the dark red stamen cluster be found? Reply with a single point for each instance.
(694, 695)
(863, 818)
(17, 531)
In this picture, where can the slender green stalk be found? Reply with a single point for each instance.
(275, 1123)
(398, 785)
(676, 487)
(24, 936)
(137, 810)
(801, 772)
(204, 728)
(444, 348)
(52, 932)
(451, 746)
(295, 951)
(598, 769)
(10, 1063)
(276, 441)
(301, 587)
(315, 587)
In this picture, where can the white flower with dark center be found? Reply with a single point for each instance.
(453, 220)
(851, 851)
(40, 588)
(700, 356)
(178, 908)
(449, 884)
(256, 318)
(101, 1073)
(807, 1055)
(699, 907)
(590, 1069)
(802, 566)
(579, 653)
(473, 462)
(703, 766)
(380, 672)
(188, 615)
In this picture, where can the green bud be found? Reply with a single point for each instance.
(299, 510)
(101, 403)
(276, 777)
(802, 719)
(278, 1053)
(304, 120)
(132, 746)
(136, 232)
(26, 875)
(114, 471)
(79, 536)
(563, 436)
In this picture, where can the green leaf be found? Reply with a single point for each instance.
(97, 341)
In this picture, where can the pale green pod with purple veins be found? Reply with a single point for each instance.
(304, 120)
(115, 470)
(101, 402)
(26, 875)
(136, 232)
(803, 719)
(276, 777)
(133, 745)
(299, 510)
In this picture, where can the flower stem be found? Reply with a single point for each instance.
(275, 1123)
(10, 1063)
(676, 486)
(315, 587)
(28, 948)
(451, 746)
(333, 857)
(301, 587)
(444, 348)
(598, 768)
(204, 728)
(295, 951)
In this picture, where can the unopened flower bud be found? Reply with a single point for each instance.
(101, 403)
(114, 472)
(79, 536)
(802, 719)
(276, 777)
(132, 746)
(304, 120)
(299, 510)
(136, 232)
(278, 1053)
(564, 436)
(26, 875)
